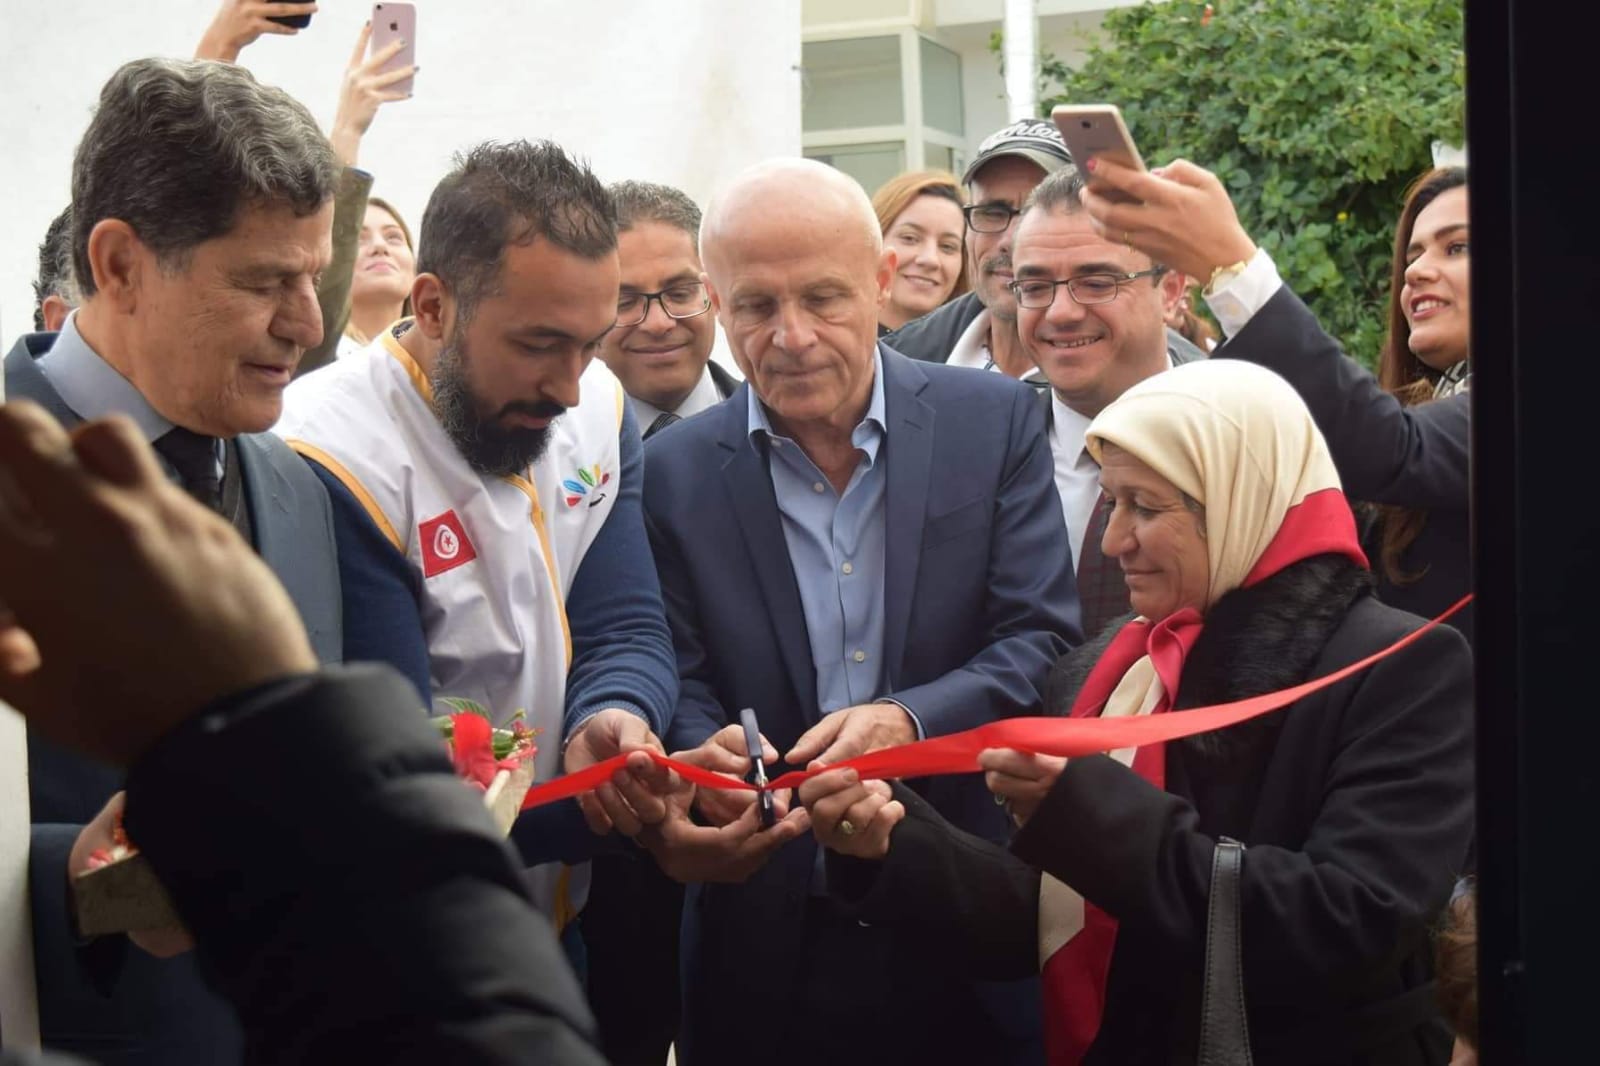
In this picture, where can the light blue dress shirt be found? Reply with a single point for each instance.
(94, 388)
(836, 543)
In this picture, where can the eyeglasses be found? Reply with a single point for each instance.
(1036, 294)
(989, 218)
(680, 301)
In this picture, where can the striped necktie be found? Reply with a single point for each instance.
(663, 420)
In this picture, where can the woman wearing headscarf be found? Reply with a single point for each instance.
(1354, 803)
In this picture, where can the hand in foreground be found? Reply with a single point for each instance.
(853, 731)
(1184, 219)
(131, 605)
(851, 816)
(100, 835)
(730, 853)
(238, 23)
(365, 89)
(633, 797)
(1021, 780)
(724, 752)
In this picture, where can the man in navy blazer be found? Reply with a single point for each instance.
(865, 550)
(198, 292)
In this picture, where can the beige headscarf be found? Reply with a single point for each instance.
(1238, 439)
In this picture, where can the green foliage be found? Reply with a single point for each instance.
(1316, 115)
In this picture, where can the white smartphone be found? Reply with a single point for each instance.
(390, 23)
(1097, 130)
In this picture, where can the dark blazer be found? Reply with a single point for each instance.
(979, 600)
(1102, 590)
(1386, 453)
(146, 1009)
(371, 913)
(725, 382)
(1355, 804)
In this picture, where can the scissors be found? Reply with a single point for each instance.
(758, 770)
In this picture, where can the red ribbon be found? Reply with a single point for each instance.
(958, 752)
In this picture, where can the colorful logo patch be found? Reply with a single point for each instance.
(444, 544)
(586, 486)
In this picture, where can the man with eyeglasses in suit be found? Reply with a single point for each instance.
(661, 347)
(979, 329)
(1091, 315)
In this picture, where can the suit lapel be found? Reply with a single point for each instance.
(910, 457)
(266, 494)
(755, 507)
(725, 382)
(25, 381)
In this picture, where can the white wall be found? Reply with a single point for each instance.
(684, 93)
(983, 90)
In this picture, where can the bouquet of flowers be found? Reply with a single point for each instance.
(499, 761)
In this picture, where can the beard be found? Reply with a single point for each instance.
(488, 447)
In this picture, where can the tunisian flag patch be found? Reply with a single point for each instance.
(444, 544)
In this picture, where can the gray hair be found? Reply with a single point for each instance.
(645, 201)
(503, 194)
(177, 147)
(56, 276)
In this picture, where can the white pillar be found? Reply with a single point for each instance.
(1020, 32)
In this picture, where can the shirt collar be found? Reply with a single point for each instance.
(1068, 424)
(703, 395)
(92, 387)
(868, 433)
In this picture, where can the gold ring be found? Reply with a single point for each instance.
(847, 827)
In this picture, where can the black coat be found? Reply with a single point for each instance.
(367, 912)
(1385, 453)
(1355, 803)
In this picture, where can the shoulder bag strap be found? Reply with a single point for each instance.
(1224, 1027)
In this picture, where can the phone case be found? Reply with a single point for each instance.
(1092, 130)
(391, 22)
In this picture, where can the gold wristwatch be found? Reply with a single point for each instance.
(1232, 270)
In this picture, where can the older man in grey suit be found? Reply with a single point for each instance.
(202, 207)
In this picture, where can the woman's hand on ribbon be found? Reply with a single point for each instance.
(1020, 779)
(852, 816)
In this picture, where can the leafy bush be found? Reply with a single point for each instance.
(1316, 115)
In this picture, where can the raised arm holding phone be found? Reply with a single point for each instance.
(1402, 442)
(239, 23)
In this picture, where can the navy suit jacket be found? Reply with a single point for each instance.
(148, 1010)
(978, 595)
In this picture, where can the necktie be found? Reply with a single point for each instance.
(663, 420)
(1102, 591)
(194, 457)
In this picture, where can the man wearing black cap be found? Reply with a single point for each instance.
(980, 329)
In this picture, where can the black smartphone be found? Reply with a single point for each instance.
(299, 22)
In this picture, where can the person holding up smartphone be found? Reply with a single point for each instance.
(238, 23)
(1407, 457)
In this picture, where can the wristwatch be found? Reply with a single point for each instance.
(1224, 273)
